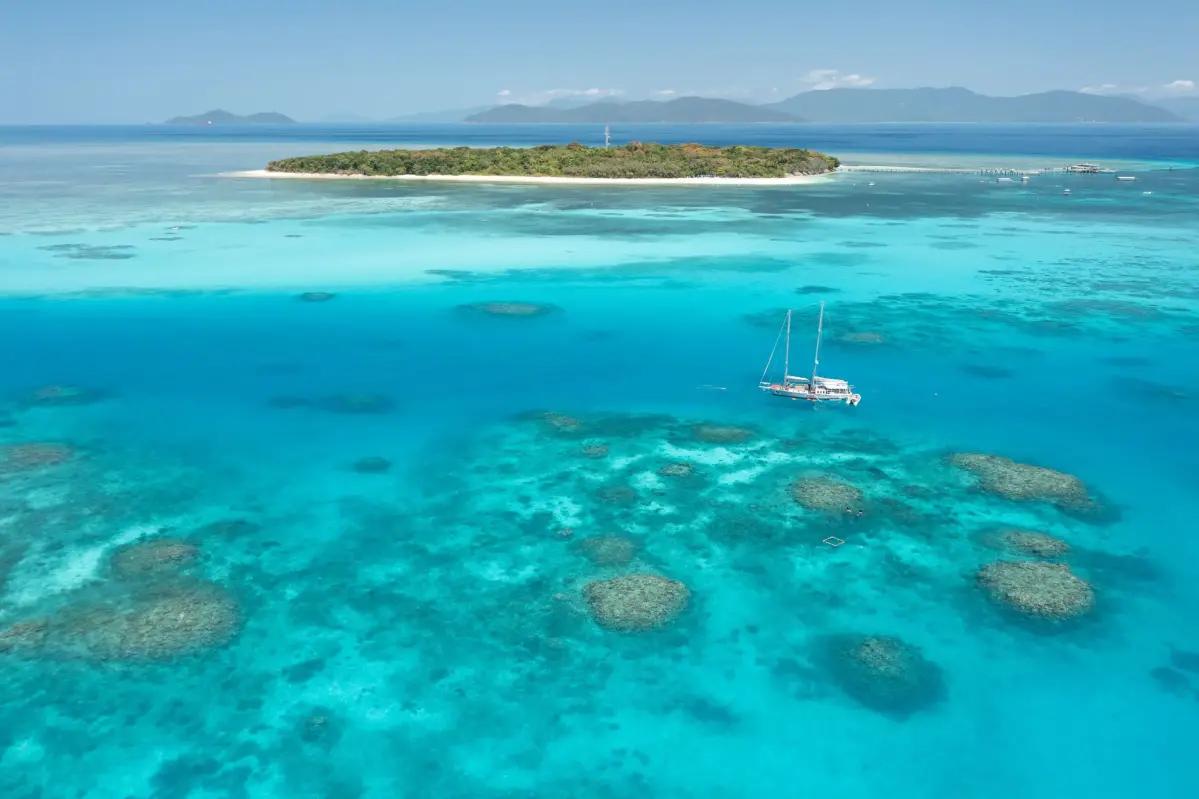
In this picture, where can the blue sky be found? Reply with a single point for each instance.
(64, 61)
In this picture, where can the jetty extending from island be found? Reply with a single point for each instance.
(1081, 169)
(635, 162)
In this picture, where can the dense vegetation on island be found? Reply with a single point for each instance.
(633, 160)
(219, 117)
(682, 111)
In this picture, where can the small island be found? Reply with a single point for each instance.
(219, 117)
(633, 162)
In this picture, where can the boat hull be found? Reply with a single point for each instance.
(802, 393)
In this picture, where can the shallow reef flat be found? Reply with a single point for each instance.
(366, 490)
(348, 552)
(961, 323)
(592, 567)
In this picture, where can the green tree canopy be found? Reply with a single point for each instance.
(634, 160)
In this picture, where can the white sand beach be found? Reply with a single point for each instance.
(794, 180)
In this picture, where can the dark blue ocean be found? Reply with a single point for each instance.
(364, 490)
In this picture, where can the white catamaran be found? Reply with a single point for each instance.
(814, 388)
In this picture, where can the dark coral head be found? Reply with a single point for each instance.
(884, 673)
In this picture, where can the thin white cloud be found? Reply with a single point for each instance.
(726, 93)
(1174, 87)
(1113, 88)
(664, 92)
(555, 93)
(1179, 87)
(544, 96)
(504, 93)
(822, 79)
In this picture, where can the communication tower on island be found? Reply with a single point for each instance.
(607, 137)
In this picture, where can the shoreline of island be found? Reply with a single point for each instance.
(792, 180)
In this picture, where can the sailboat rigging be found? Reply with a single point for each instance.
(814, 388)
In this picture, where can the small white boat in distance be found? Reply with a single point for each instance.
(812, 389)
(1125, 177)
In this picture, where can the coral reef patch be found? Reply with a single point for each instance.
(861, 337)
(508, 310)
(163, 621)
(683, 469)
(608, 550)
(89, 252)
(33, 455)
(1038, 545)
(883, 673)
(826, 494)
(1022, 482)
(560, 423)
(721, 434)
(1048, 591)
(62, 395)
(618, 494)
(358, 403)
(636, 602)
(154, 557)
(372, 465)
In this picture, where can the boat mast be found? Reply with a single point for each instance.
(819, 330)
(762, 383)
(787, 351)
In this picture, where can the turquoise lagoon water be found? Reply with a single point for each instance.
(421, 630)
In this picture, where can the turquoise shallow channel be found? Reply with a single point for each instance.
(374, 490)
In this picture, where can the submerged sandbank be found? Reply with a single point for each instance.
(793, 180)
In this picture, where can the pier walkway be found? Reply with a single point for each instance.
(949, 170)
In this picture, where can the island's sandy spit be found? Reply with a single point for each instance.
(795, 180)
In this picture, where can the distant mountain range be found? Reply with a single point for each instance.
(570, 102)
(1185, 107)
(832, 106)
(835, 106)
(220, 117)
(963, 105)
(452, 115)
(684, 110)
